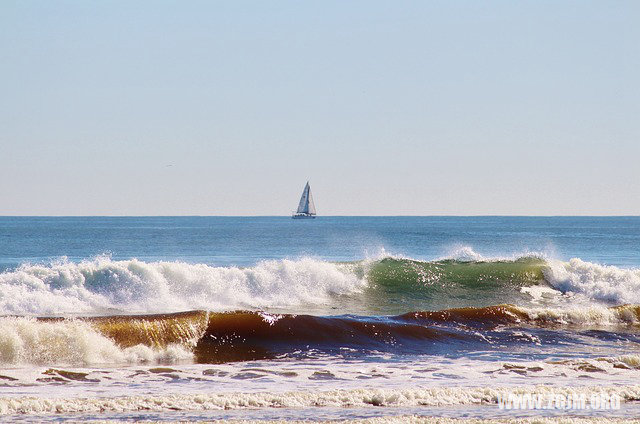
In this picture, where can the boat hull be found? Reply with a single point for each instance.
(303, 216)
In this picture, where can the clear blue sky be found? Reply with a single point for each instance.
(388, 108)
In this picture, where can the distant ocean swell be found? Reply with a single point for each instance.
(389, 286)
(247, 335)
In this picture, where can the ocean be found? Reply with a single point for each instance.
(205, 318)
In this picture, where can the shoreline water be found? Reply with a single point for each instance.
(467, 405)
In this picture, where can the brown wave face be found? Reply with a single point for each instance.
(488, 316)
(184, 328)
(253, 335)
(246, 335)
(625, 317)
(158, 330)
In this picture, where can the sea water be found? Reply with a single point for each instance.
(336, 317)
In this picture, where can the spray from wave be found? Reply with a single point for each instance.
(386, 285)
(25, 340)
(595, 282)
(103, 285)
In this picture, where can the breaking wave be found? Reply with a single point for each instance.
(597, 282)
(103, 285)
(25, 340)
(206, 337)
(388, 285)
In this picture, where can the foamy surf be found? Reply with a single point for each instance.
(593, 281)
(283, 308)
(76, 342)
(363, 397)
(103, 285)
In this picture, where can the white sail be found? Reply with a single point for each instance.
(310, 205)
(306, 205)
(303, 206)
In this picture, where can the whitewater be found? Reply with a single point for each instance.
(101, 285)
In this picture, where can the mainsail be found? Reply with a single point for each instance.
(306, 205)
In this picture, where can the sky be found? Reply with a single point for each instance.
(386, 107)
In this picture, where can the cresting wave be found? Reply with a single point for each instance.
(206, 337)
(246, 335)
(27, 340)
(470, 304)
(103, 285)
(383, 286)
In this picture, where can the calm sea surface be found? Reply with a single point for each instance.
(245, 240)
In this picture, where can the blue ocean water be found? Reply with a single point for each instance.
(198, 314)
(244, 241)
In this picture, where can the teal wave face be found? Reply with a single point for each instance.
(405, 284)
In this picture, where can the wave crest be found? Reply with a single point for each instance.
(25, 340)
(103, 285)
(389, 285)
(593, 281)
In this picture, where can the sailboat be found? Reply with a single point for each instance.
(306, 207)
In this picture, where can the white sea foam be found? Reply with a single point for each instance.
(106, 286)
(101, 284)
(594, 282)
(465, 253)
(26, 340)
(592, 315)
(363, 397)
(586, 280)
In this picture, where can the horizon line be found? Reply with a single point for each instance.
(328, 216)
